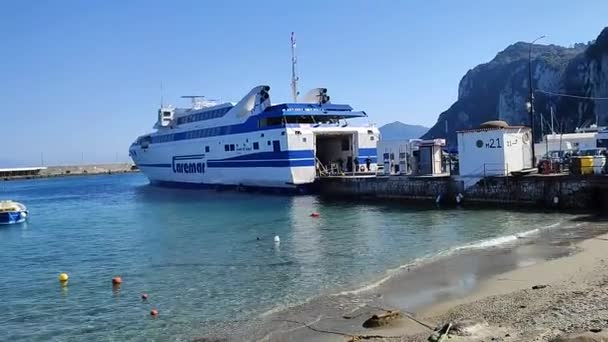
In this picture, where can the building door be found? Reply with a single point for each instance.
(276, 146)
(426, 160)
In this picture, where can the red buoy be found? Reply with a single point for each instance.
(116, 281)
(144, 296)
(153, 312)
(315, 214)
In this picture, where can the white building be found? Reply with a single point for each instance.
(393, 155)
(494, 149)
(411, 157)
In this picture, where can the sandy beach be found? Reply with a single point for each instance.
(542, 302)
(549, 287)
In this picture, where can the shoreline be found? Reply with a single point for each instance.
(543, 300)
(438, 290)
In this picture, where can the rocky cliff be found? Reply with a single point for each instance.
(499, 89)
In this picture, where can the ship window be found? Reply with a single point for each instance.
(256, 145)
(166, 114)
(371, 138)
(275, 121)
(345, 145)
(304, 139)
(262, 135)
(268, 142)
(304, 119)
(206, 149)
(226, 148)
(231, 147)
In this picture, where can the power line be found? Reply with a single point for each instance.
(572, 96)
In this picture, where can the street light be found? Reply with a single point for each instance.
(530, 102)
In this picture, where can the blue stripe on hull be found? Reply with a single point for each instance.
(367, 152)
(293, 154)
(301, 158)
(294, 189)
(261, 163)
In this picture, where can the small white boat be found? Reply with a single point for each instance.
(12, 212)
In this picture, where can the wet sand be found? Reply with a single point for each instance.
(486, 289)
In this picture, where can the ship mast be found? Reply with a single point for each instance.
(294, 78)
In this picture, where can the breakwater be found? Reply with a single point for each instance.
(567, 192)
(67, 170)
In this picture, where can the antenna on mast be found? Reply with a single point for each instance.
(161, 94)
(294, 78)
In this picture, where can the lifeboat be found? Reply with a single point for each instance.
(12, 212)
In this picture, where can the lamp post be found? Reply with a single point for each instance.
(530, 103)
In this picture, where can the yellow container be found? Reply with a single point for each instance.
(586, 165)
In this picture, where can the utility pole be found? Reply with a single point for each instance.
(552, 130)
(530, 103)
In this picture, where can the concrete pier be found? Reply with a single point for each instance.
(567, 192)
(75, 170)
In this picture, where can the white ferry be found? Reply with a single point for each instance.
(255, 144)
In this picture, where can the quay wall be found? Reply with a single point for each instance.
(76, 170)
(567, 192)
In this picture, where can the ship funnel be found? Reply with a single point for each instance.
(254, 102)
(316, 95)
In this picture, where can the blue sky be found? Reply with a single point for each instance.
(81, 79)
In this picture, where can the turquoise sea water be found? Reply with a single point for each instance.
(197, 254)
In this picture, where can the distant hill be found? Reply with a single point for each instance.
(400, 131)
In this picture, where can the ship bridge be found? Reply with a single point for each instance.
(306, 113)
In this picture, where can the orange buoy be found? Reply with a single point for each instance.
(153, 312)
(116, 281)
(315, 214)
(144, 296)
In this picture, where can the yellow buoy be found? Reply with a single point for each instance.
(63, 277)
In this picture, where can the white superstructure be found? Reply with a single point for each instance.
(255, 144)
